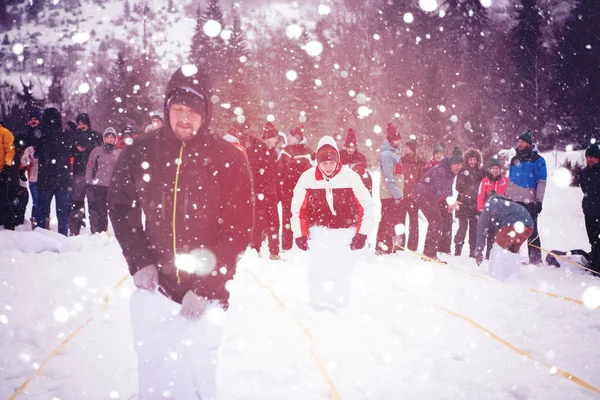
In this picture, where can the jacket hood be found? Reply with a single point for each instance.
(328, 140)
(190, 83)
(52, 118)
(472, 153)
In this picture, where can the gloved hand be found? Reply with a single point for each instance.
(193, 305)
(146, 278)
(478, 258)
(538, 207)
(358, 241)
(302, 242)
(22, 175)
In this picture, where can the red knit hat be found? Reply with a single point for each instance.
(269, 131)
(392, 133)
(327, 153)
(298, 131)
(350, 138)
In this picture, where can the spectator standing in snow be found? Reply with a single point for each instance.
(263, 163)
(86, 140)
(527, 185)
(390, 190)
(432, 193)
(156, 121)
(445, 241)
(350, 156)
(412, 167)
(513, 225)
(468, 181)
(590, 185)
(295, 158)
(54, 150)
(98, 177)
(493, 182)
(195, 191)
(30, 161)
(332, 213)
(7, 183)
(438, 155)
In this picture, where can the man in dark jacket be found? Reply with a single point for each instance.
(350, 156)
(54, 150)
(263, 163)
(195, 191)
(467, 185)
(412, 167)
(590, 185)
(432, 191)
(86, 141)
(295, 158)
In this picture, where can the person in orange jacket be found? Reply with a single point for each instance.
(7, 155)
(493, 182)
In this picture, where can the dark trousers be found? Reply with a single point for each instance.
(592, 226)
(77, 208)
(7, 194)
(287, 236)
(445, 242)
(535, 254)
(98, 203)
(464, 224)
(33, 189)
(408, 207)
(390, 212)
(266, 223)
(20, 204)
(434, 215)
(62, 199)
(490, 239)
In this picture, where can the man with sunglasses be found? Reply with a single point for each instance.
(195, 191)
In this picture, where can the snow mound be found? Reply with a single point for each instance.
(41, 240)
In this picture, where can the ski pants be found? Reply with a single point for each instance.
(98, 204)
(390, 217)
(535, 254)
(435, 215)
(445, 229)
(464, 224)
(287, 236)
(177, 356)
(266, 223)
(592, 226)
(61, 198)
(410, 208)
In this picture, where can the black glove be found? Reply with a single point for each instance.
(358, 241)
(22, 175)
(538, 207)
(478, 258)
(302, 242)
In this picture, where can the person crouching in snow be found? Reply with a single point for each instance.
(98, 175)
(332, 213)
(513, 225)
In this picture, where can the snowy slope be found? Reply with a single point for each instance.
(393, 342)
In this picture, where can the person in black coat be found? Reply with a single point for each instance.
(590, 185)
(467, 185)
(350, 156)
(86, 141)
(54, 150)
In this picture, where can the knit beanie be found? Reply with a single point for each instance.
(412, 144)
(350, 138)
(457, 157)
(494, 162)
(593, 151)
(110, 132)
(157, 114)
(392, 133)
(526, 137)
(36, 113)
(437, 148)
(269, 131)
(327, 153)
(83, 117)
(298, 132)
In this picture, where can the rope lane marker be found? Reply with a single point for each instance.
(485, 278)
(321, 367)
(499, 339)
(67, 340)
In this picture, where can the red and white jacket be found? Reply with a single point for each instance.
(487, 185)
(336, 202)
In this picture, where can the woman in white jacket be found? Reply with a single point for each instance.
(332, 213)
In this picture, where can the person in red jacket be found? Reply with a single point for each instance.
(350, 156)
(332, 214)
(493, 182)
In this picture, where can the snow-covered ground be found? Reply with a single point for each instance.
(397, 340)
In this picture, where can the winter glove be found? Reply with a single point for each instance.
(538, 207)
(193, 305)
(146, 278)
(302, 242)
(478, 258)
(358, 241)
(22, 175)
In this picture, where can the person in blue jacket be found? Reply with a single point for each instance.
(433, 189)
(526, 186)
(590, 185)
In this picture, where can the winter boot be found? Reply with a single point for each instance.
(33, 224)
(274, 257)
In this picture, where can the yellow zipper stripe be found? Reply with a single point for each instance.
(175, 210)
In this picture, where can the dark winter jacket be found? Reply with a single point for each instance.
(527, 177)
(436, 185)
(413, 168)
(432, 163)
(590, 185)
(54, 150)
(90, 140)
(468, 181)
(198, 203)
(358, 163)
(265, 171)
(294, 160)
(498, 213)
(337, 202)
